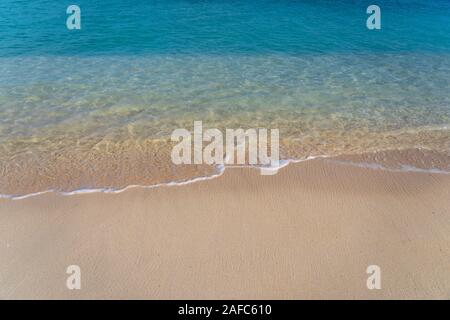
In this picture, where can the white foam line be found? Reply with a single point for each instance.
(12, 197)
(376, 166)
(167, 184)
(220, 171)
(282, 163)
(414, 169)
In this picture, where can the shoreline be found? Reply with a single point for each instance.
(308, 232)
(356, 160)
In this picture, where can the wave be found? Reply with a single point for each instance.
(220, 170)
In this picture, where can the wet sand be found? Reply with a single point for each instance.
(309, 232)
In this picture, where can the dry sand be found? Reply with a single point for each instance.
(308, 232)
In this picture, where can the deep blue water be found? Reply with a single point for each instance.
(121, 27)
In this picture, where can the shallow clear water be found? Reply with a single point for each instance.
(111, 92)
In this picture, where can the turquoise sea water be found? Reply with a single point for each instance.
(222, 27)
(137, 70)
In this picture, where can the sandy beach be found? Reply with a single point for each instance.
(132, 136)
(308, 232)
